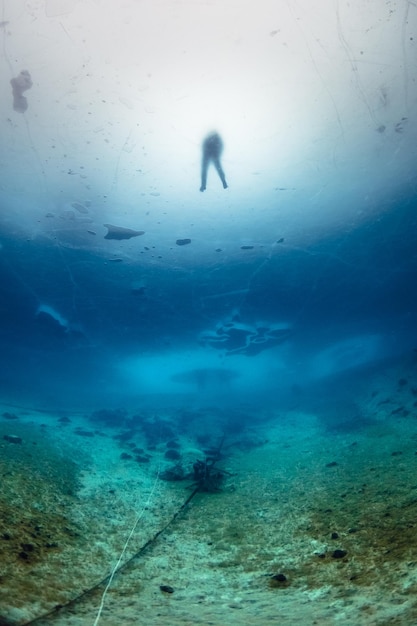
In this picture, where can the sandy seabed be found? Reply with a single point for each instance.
(315, 522)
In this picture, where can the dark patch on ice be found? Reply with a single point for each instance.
(237, 338)
(20, 84)
(120, 232)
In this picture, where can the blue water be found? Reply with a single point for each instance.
(79, 329)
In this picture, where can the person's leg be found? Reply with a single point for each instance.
(216, 163)
(204, 167)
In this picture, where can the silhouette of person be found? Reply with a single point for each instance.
(212, 149)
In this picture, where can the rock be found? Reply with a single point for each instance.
(279, 577)
(278, 580)
(334, 536)
(172, 454)
(172, 444)
(174, 473)
(339, 554)
(166, 588)
(12, 438)
(10, 416)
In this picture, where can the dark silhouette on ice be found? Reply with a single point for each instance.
(20, 84)
(212, 149)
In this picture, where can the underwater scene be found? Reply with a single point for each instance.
(208, 312)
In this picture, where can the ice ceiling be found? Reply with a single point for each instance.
(104, 109)
(312, 100)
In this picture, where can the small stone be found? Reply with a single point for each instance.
(166, 588)
(279, 578)
(334, 536)
(28, 547)
(331, 464)
(183, 242)
(339, 554)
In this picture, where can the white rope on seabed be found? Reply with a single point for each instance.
(119, 560)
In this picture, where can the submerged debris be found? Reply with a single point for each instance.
(207, 478)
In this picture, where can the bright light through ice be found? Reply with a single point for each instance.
(312, 99)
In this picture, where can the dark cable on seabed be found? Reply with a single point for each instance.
(197, 488)
(150, 542)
